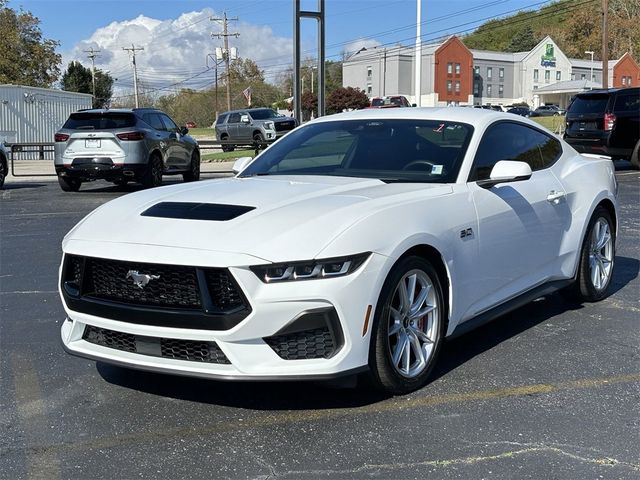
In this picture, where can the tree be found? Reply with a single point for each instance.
(348, 98)
(27, 58)
(77, 78)
(309, 104)
(523, 41)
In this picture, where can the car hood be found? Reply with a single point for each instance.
(292, 217)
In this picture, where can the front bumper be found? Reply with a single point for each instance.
(249, 348)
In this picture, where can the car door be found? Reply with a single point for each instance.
(180, 154)
(160, 135)
(245, 130)
(521, 224)
(232, 126)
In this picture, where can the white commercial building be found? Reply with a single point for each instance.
(33, 115)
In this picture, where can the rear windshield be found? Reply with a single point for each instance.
(99, 121)
(589, 104)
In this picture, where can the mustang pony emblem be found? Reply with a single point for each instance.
(140, 280)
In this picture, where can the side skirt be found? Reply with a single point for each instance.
(510, 305)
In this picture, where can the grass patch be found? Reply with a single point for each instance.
(202, 132)
(227, 156)
(554, 124)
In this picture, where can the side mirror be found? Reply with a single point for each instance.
(414, 104)
(184, 130)
(244, 119)
(240, 164)
(506, 171)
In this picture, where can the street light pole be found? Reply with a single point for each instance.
(590, 52)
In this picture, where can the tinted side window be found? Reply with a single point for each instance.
(234, 118)
(153, 119)
(221, 119)
(171, 126)
(510, 141)
(627, 103)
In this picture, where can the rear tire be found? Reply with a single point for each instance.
(408, 327)
(194, 168)
(227, 148)
(4, 170)
(635, 160)
(152, 176)
(595, 267)
(69, 184)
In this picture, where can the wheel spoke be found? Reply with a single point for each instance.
(416, 346)
(399, 348)
(420, 335)
(411, 288)
(604, 240)
(394, 329)
(404, 298)
(422, 312)
(406, 355)
(422, 297)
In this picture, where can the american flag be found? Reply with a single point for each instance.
(247, 95)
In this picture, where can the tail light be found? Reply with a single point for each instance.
(61, 137)
(609, 121)
(130, 135)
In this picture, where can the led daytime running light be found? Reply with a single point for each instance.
(313, 269)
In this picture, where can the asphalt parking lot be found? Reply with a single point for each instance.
(551, 390)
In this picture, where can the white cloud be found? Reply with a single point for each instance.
(359, 44)
(177, 49)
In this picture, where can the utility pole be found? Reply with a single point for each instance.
(418, 62)
(92, 54)
(605, 44)
(133, 51)
(225, 36)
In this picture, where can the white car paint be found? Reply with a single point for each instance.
(521, 239)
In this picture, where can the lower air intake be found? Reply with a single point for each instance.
(189, 350)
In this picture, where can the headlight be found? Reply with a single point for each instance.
(269, 126)
(327, 268)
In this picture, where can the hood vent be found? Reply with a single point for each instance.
(196, 211)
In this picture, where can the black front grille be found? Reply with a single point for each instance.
(316, 343)
(190, 350)
(160, 285)
(154, 294)
(285, 126)
(225, 295)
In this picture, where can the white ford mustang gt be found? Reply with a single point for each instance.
(358, 242)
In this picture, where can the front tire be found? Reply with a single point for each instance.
(152, 176)
(69, 184)
(194, 168)
(595, 268)
(227, 148)
(408, 327)
(635, 157)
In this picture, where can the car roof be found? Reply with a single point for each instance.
(477, 117)
(119, 110)
(247, 110)
(612, 91)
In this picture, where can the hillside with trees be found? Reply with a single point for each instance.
(575, 25)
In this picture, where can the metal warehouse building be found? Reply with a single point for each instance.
(29, 114)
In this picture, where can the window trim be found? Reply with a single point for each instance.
(499, 122)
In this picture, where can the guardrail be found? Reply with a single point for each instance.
(42, 151)
(257, 146)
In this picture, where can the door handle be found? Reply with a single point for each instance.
(555, 197)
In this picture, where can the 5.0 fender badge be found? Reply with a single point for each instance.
(141, 280)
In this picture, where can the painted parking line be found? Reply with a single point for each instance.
(392, 405)
(41, 463)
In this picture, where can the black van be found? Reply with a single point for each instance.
(606, 122)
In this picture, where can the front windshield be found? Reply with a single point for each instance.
(263, 114)
(389, 150)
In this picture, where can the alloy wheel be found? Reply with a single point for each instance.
(413, 323)
(600, 254)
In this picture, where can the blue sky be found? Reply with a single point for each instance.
(176, 33)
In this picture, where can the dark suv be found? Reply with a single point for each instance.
(606, 122)
(121, 145)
